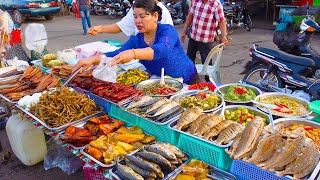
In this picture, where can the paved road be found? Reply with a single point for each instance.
(70, 28)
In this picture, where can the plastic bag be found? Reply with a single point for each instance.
(36, 37)
(59, 156)
(104, 72)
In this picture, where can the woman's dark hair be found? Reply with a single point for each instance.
(150, 6)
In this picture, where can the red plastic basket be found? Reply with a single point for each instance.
(93, 174)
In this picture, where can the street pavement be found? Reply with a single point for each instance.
(68, 33)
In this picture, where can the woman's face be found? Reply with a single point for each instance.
(145, 22)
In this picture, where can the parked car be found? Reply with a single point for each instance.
(21, 9)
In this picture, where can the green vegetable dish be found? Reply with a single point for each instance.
(239, 94)
(204, 101)
(241, 115)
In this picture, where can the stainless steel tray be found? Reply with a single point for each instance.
(8, 100)
(115, 174)
(276, 94)
(194, 92)
(60, 128)
(225, 87)
(79, 125)
(216, 173)
(150, 81)
(95, 160)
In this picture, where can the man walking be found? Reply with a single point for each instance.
(205, 17)
(84, 7)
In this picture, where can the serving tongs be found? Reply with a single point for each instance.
(134, 97)
(72, 75)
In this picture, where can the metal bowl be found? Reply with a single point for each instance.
(291, 121)
(256, 111)
(157, 81)
(183, 94)
(122, 72)
(276, 94)
(225, 87)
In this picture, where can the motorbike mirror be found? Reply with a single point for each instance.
(317, 74)
(169, 4)
(233, 3)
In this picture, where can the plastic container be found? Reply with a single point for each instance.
(127, 117)
(100, 102)
(93, 174)
(27, 141)
(215, 156)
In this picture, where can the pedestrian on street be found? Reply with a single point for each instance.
(204, 18)
(84, 7)
(127, 26)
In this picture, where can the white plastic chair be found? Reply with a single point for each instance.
(212, 71)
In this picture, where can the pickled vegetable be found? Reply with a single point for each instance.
(241, 115)
(132, 76)
(239, 94)
(158, 89)
(204, 101)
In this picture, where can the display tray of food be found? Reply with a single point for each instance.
(197, 169)
(285, 149)
(33, 80)
(132, 77)
(81, 134)
(158, 110)
(156, 161)
(107, 149)
(61, 107)
(207, 101)
(66, 70)
(289, 105)
(238, 93)
(153, 87)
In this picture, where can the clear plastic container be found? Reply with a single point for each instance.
(27, 141)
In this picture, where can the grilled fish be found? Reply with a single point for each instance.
(128, 173)
(161, 150)
(165, 116)
(187, 118)
(156, 158)
(229, 133)
(179, 154)
(142, 172)
(217, 129)
(308, 169)
(143, 100)
(234, 145)
(249, 138)
(156, 105)
(195, 124)
(149, 166)
(208, 123)
(162, 109)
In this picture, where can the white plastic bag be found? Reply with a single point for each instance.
(104, 72)
(36, 37)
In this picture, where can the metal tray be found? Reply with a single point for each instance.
(79, 125)
(60, 128)
(214, 173)
(151, 81)
(225, 87)
(7, 99)
(115, 174)
(95, 160)
(276, 94)
(194, 92)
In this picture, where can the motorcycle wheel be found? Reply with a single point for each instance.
(99, 10)
(112, 14)
(256, 73)
(229, 26)
(249, 23)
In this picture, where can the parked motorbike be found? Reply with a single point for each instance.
(118, 8)
(174, 14)
(237, 16)
(275, 70)
(98, 6)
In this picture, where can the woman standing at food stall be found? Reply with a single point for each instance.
(156, 45)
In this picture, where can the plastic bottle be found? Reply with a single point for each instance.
(27, 141)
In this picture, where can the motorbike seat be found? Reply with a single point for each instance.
(303, 61)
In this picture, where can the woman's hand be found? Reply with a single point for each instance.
(94, 31)
(86, 63)
(123, 57)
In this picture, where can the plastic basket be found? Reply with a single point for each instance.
(162, 132)
(213, 155)
(100, 102)
(118, 113)
(244, 171)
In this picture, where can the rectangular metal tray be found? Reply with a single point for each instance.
(60, 128)
(214, 173)
(79, 125)
(115, 174)
(8, 100)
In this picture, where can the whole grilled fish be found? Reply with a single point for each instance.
(156, 105)
(156, 158)
(164, 108)
(162, 150)
(217, 129)
(187, 118)
(128, 173)
(168, 113)
(195, 124)
(142, 172)
(266, 148)
(143, 100)
(234, 145)
(249, 137)
(290, 152)
(149, 166)
(229, 133)
(308, 169)
(208, 123)
(179, 154)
